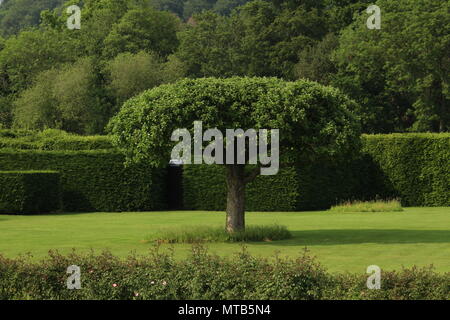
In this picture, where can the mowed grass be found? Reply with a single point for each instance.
(341, 241)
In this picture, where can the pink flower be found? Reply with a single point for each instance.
(115, 285)
(136, 294)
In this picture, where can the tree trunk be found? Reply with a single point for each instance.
(235, 198)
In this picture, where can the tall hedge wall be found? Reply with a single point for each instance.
(204, 188)
(312, 187)
(28, 192)
(413, 167)
(95, 180)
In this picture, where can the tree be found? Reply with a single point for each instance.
(225, 7)
(174, 6)
(313, 121)
(31, 52)
(143, 29)
(17, 15)
(257, 39)
(401, 70)
(196, 6)
(131, 74)
(78, 95)
(65, 98)
(315, 62)
(36, 107)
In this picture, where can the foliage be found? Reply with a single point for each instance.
(174, 6)
(51, 139)
(131, 74)
(258, 39)
(16, 15)
(95, 179)
(414, 166)
(143, 29)
(397, 87)
(29, 192)
(65, 98)
(368, 206)
(315, 61)
(398, 90)
(35, 108)
(313, 120)
(187, 8)
(31, 52)
(204, 188)
(203, 276)
(219, 234)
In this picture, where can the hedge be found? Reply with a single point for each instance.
(28, 192)
(51, 139)
(313, 187)
(204, 188)
(203, 276)
(95, 180)
(412, 167)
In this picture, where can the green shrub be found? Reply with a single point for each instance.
(95, 180)
(202, 276)
(368, 206)
(28, 192)
(197, 234)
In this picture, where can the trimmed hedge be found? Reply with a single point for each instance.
(203, 276)
(204, 188)
(51, 139)
(28, 192)
(313, 187)
(412, 167)
(415, 167)
(95, 180)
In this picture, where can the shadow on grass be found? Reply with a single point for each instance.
(352, 236)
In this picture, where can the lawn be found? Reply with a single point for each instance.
(341, 241)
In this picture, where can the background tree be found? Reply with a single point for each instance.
(315, 62)
(66, 98)
(143, 29)
(196, 6)
(258, 39)
(31, 52)
(130, 74)
(79, 98)
(17, 15)
(36, 107)
(174, 6)
(225, 7)
(314, 122)
(400, 71)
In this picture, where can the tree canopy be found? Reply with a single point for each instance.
(398, 74)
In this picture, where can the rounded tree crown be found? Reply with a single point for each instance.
(312, 119)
